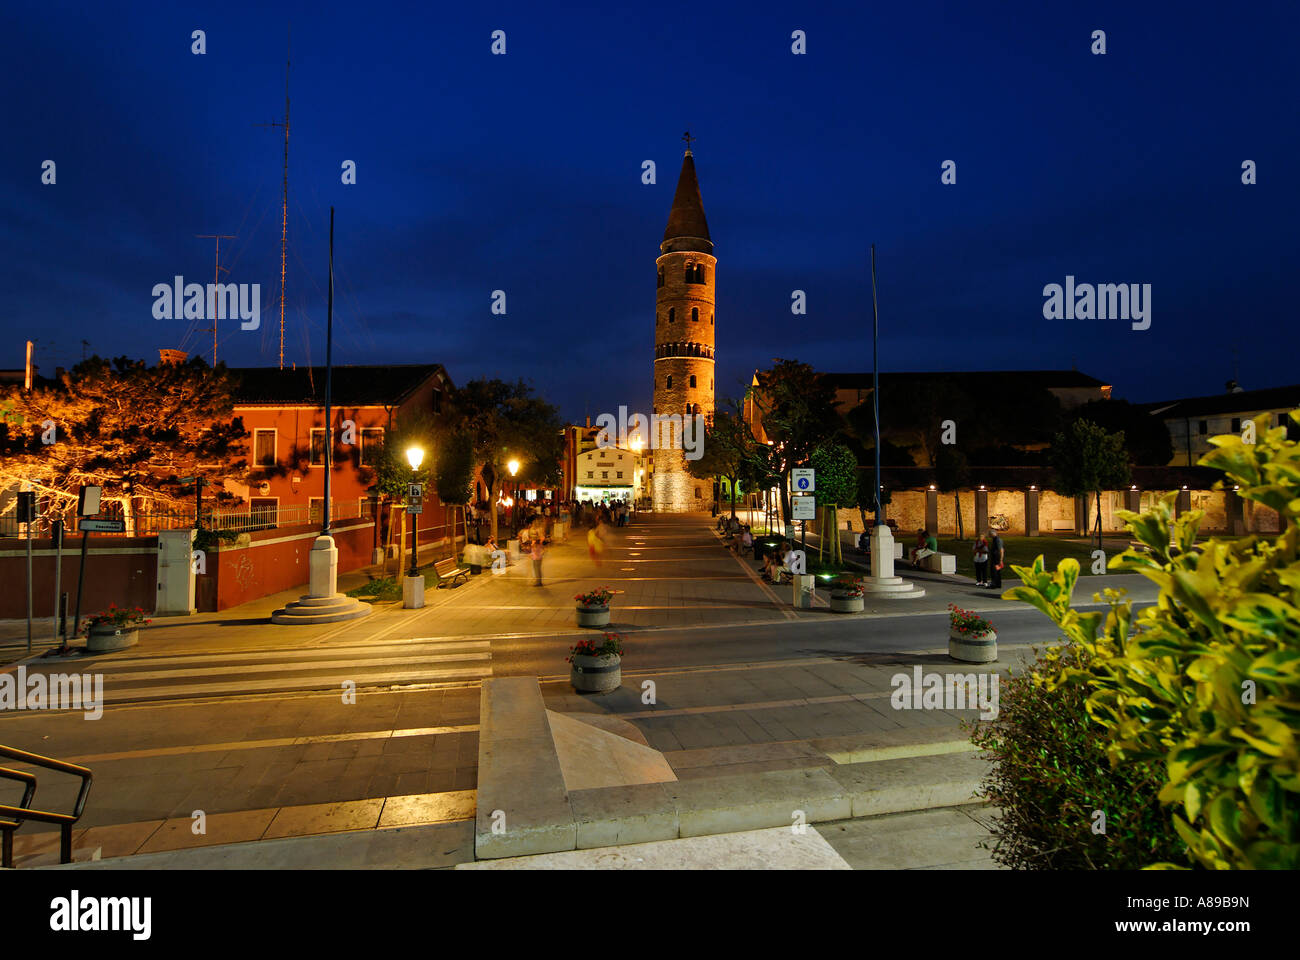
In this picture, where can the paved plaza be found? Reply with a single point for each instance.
(247, 721)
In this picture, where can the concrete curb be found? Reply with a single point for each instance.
(525, 810)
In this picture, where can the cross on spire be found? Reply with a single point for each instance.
(689, 140)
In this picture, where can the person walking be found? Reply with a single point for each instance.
(997, 557)
(596, 541)
(537, 550)
(980, 554)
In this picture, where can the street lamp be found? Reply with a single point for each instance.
(414, 456)
(513, 467)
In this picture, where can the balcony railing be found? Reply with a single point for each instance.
(148, 523)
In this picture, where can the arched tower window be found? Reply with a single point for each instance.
(692, 379)
(672, 314)
(669, 384)
(695, 313)
(694, 272)
(710, 319)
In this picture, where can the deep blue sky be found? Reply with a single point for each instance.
(522, 172)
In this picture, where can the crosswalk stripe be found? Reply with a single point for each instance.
(315, 653)
(112, 694)
(318, 667)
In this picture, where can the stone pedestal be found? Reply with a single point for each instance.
(882, 583)
(376, 556)
(323, 568)
(323, 603)
(882, 551)
(413, 592)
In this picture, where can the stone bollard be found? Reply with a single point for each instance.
(413, 592)
(803, 585)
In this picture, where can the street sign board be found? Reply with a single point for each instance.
(101, 525)
(88, 501)
(804, 508)
(802, 480)
(414, 498)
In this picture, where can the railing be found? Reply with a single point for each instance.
(149, 523)
(11, 818)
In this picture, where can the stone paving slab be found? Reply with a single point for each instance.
(424, 847)
(779, 849)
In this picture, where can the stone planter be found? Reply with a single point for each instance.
(596, 674)
(843, 604)
(593, 616)
(973, 647)
(107, 639)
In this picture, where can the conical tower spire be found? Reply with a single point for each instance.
(687, 228)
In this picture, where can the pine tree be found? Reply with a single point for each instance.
(134, 430)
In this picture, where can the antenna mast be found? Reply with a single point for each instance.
(284, 207)
(216, 279)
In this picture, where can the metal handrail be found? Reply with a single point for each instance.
(11, 818)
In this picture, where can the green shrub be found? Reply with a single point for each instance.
(1207, 681)
(1050, 773)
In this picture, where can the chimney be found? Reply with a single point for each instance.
(588, 422)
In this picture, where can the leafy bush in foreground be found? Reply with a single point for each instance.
(1207, 681)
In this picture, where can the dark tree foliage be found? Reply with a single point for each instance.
(1145, 436)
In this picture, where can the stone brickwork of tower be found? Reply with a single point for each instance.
(684, 342)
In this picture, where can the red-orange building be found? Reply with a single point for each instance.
(284, 414)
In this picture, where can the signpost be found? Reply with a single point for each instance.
(56, 532)
(803, 480)
(414, 505)
(103, 525)
(87, 506)
(804, 508)
(27, 516)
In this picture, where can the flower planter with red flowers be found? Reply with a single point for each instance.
(846, 597)
(593, 608)
(971, 638)
(597, 667)
(115, 629)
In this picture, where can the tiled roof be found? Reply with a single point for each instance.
(1246, 401)
(1060, 379)
(351, 386)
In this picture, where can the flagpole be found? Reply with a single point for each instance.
(329, 377)
(875, 373)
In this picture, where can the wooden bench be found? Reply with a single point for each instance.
(449, 571)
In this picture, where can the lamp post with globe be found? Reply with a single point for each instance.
(413, 587)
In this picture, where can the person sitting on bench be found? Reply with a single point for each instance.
(926, 545)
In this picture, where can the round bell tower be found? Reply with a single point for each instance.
(684, 340)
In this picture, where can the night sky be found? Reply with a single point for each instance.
(523, 173)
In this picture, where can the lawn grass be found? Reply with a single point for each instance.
(1021, 551)
(387, 589)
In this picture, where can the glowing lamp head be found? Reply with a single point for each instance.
(415, 457)
(513, 467)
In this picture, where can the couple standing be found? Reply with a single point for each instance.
(989, 555)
